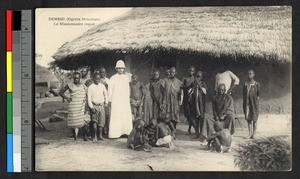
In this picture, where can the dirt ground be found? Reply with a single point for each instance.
(55, 151)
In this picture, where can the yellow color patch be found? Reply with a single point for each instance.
(9, 71)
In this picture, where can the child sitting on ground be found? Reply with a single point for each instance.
(221, 140)
(163, 133)
(150, 128)
(138, 139)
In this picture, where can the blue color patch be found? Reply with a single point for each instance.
(9, 144)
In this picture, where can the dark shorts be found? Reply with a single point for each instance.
(99, 116)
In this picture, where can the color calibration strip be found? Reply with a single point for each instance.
(19, 93)
(9, 99)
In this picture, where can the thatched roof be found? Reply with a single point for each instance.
(43, 75)
(263, 32)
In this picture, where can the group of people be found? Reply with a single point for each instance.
(148, 114)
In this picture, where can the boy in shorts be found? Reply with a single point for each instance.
(97, 100)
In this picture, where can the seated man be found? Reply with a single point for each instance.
(223, 109)
(163, 133)
(138, 139)
(221, 140)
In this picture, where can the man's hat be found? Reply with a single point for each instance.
(120, 64)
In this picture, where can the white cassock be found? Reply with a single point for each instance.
(119, 95)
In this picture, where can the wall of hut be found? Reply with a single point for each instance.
(274, 76)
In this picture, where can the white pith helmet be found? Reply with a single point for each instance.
(120, 64)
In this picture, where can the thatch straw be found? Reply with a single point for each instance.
(263, 32)
(43, 75)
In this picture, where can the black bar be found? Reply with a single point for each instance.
(16, 20)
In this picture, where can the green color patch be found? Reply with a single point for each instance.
(9, 113)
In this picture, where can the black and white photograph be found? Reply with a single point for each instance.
(191, 89)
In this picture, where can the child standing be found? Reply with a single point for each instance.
(147, 104)
(251, 92)
(136, 97)
(97, 99)
(105, 81)
(156, 89)
(197, 103)
(186, 87)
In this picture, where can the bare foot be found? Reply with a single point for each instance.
(132, 146)
(204, 143)
(100, 138)
(196, 137)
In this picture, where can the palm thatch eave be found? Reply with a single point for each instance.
(263, 32)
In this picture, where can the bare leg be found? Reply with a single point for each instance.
(174, 123)
(76, 133)
(84, 131)
(94, 135)
(134, 113)
(100, 133)
(190, 126)
(196, 126)
(217, 145)
(140, 111)
(254, 129)
(209, 142)
(250, 129)
(73, 132)
(92, 129)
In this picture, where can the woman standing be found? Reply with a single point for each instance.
(119, 97)
(77, 102)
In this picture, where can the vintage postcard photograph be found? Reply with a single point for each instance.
(163, 89)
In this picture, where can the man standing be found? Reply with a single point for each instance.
(119, 96)
(223, 109)
(226, 77)
(86, 76)
(172, 96)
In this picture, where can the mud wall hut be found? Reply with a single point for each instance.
(205, 37)
(44, 79)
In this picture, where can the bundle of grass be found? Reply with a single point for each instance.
(265, 154)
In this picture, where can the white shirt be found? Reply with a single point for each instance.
(226, 79)
(97, 94)
(104, 80)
